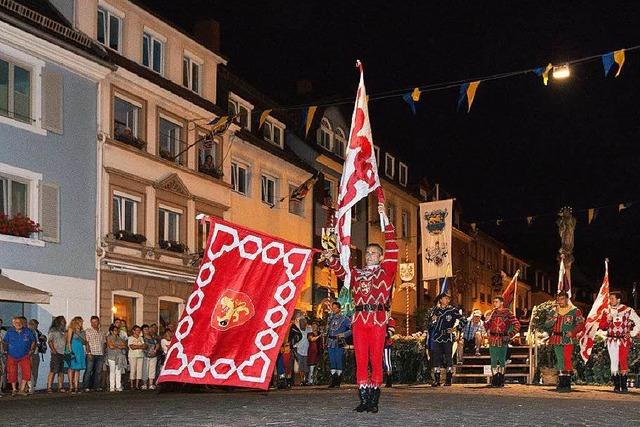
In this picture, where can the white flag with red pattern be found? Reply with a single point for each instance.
(593, 320)
(359, 174)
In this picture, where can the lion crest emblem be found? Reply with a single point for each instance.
(232, 309)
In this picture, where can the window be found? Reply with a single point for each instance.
(273, 132)
(152, 52)
(109, 29)
(125, 212)
(328, 189)
(14, 196)
(124, 308)
(191, 72)
(203, 233)
(269, 185)
(403, 174)
(356, 212)
(376, 150)
(209, 154)
(405, 224)
(391, 213)
(126, 120)
(340, 144)
(389, 165)
(237, 105)
(240, 178)
(169, 311)
(169, 224)
(324, 134)
(170, 140)
(295, 206)
(15, 91)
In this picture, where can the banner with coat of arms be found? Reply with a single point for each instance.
(435, 224)
(236, 319)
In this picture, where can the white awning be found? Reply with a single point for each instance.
(11, 290)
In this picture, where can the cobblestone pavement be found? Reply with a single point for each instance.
(460, 405)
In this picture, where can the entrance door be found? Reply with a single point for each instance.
(124, 308)
(168, 314)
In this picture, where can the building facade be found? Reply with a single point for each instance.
(50, 80)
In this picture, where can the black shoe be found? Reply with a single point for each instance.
(374, 397)
(338, 380)
(623, 384)
(389, 380)
(564, 384)
(334, 380)
(500, 379)
(436, 379)
(616, 382)
(494, 380)
(363, 394)
(447, 381)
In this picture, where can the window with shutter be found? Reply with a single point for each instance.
(50, 212)
(52, 101)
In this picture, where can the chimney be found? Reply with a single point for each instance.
(207, 32)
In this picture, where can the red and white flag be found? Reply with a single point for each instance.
(509, 294)
(359, 174)
(236, 319)
(593, 320)
(564, 283)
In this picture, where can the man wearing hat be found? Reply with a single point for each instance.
(502, 326)
(442, 325)
(472, 334)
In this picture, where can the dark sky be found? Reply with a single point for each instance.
(524, 149)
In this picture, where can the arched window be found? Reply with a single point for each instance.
(324, 134)
(340, 143)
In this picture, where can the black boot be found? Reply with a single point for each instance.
(389, 380)
(623, 384)
(436, 379)
(501, 379)
(374, 397)
(616, 382)
(338, 380)
(447, 381)
(334, 380)
(363, 394)
(494, 380)
(282, 383)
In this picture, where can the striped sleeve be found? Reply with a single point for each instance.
(337, 268)
(390, 262)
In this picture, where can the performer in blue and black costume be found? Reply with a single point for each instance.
(338, 329)
(442, 325)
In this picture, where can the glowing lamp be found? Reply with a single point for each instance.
(561, 72)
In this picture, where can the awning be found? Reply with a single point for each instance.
(11, 290)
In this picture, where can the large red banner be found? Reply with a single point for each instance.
(236, 318)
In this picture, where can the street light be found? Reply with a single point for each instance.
(561, 72)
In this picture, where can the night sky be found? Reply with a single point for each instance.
(524, 149)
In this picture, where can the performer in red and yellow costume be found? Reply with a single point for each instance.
(501, 326)
(621, 323)
(371, 288)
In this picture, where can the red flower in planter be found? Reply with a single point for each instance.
(19, 225)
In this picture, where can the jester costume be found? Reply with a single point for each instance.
(565, 325)
(621, 323)
(371, 287)
(442, 321)
(501, 326)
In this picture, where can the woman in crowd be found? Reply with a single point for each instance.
(136, 357)
(76, 348)
(116, 349)
(150, 358)
(315, 349)
(57, 344)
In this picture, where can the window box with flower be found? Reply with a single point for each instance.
(173, 246)
(18, 225)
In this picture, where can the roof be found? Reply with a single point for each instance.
(42, 19)
(164, 83)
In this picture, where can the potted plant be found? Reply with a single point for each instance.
(540, 330)
(173, 246)
(128, 236)
(18, 225)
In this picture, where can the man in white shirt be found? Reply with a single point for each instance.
(302, 351)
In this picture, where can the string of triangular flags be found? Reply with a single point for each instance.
(592, 215)
(467, 88)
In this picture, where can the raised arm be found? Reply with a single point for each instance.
(390, 262)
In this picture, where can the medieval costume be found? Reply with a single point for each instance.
(501, 326)
(388, 346)
(444, 320)
(338, 329)
(371, 287)
(621, 323)
(566, 324)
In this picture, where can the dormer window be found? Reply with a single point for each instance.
(237, 105)
(325, 134)
(273, 131)
(403, 172)
(340, 143)
(389, 165)
(191, 72)
(109, 28)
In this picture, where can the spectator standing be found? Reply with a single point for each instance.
(315, 349)
(150, 358)
(116, 358)
(302, 352)
(295, 335)
(136, 356)
(57, 343)
(76, 350)
(95, 356)
(20, 344)
(41, 348)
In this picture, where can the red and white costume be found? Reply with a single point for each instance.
(371, 287)
(625, 324)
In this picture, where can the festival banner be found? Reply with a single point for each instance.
(592, 323)
(237, 317)
(435, 225)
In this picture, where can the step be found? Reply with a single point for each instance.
(485, 376)
(510, 365)
(513, 356)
